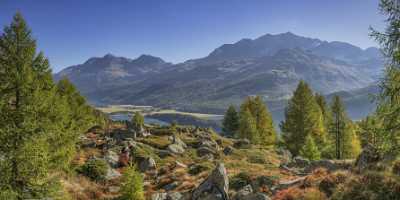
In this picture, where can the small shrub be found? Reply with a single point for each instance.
(132, 185)
(239, 180)
(293, 193)
(95, 169)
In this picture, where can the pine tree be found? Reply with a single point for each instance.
(328, 150)
(230, 124)
(302, 118)
(310, 149)
(132, 185)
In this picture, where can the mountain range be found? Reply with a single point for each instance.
(270, 66)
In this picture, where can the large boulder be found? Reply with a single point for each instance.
(215, 187)
(147, 164)
(368, 156)
(176, 149)
(112, 174)
(112, 158)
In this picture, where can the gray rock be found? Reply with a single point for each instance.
(330, 165)
(246, 190)
(202, 151)
(175, 196)
(216, 186)
(171, 186)
(177, 140)
(228, 150)
(112, 174)
(368, 156)
(147, 164)
(159, 196)
(112, 158)
(285, 156)
(176, 149)
(164, 153)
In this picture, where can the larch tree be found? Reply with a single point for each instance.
(31, 116)
(265, 132)
(303, 117)
(347, 143)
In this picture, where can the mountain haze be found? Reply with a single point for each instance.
(270, 65)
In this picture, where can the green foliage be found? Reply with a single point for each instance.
(247, 128)
(369, 186)
(132, 185)
(303, 117)
(230, 124)
(255, 122)
(310, 149)
(95, 169)
(138, 121)
(370, 131)
(396, 168)
(389, 99)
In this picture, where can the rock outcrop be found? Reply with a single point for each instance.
(215, 187)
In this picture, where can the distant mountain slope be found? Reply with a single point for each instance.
(270, 65)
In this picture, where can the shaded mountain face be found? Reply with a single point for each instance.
(270, 65)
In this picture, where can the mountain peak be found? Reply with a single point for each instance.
(148, 59)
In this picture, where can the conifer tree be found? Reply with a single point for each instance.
(247, 126)
(303, 117)
(36, 127)
(265, 132)
(310, 149)
(389, 99)
(230, 124)
(347, 144)
(132, 185)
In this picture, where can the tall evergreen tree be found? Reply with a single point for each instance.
(247, 127)
(347, 144)
(36, 124)
(230, 124)
(389, 99)
(265, 132)
(303, 117)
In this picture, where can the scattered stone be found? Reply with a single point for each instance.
(216, 186)
(112, 174)
(242, 144)
(288, 184)
(164, 153)
(112, 158)
(202, 151)
(176, 149)
(228, 150)
(159, 196)
(114, 189)
(171, 186)
(330, 165)
(147, 164)
(285, 156)
(368, 156)
(174, 196)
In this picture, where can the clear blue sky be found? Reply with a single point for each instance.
(69, 32)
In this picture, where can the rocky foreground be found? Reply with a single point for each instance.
(193, 163)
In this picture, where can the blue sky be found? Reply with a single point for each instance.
(69, 32)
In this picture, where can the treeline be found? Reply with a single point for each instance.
(312, 128)
(40, 120)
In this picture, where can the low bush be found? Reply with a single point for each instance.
(132, 185)
(95, 169)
